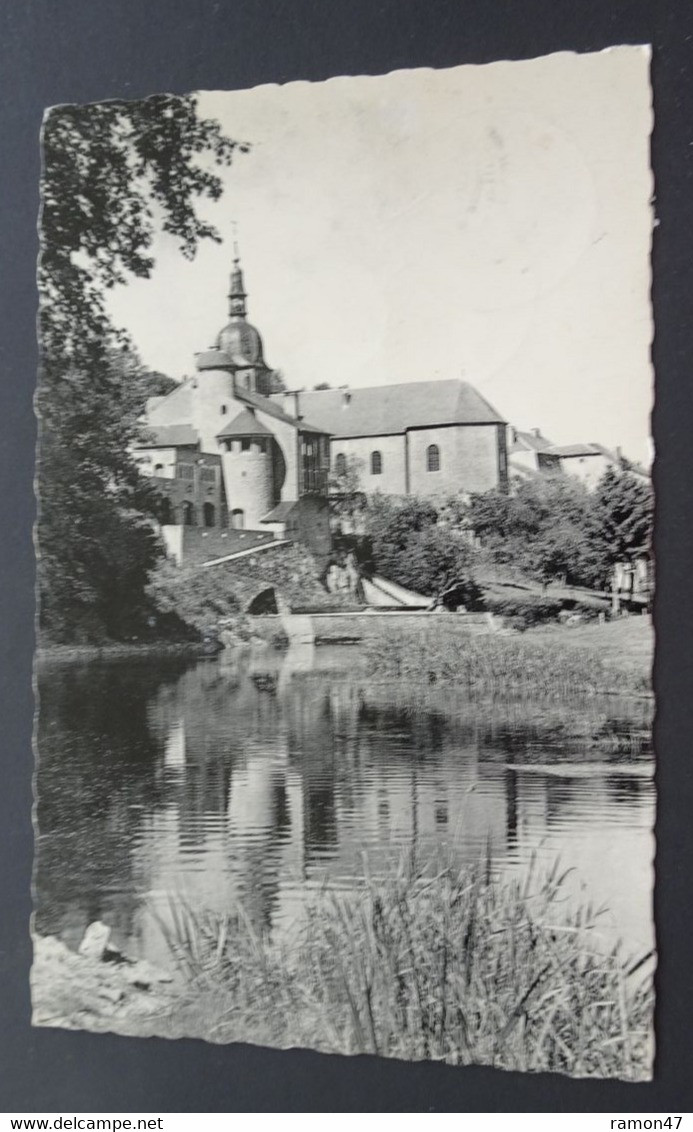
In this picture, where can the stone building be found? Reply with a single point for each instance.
(424, 438)
(237, 465)
(227, 458)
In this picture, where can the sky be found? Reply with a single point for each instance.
(490, 222)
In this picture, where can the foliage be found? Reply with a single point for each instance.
(434, 561)
(554, 528)
(277, 382)
(199, 598)
(548, 529)
(96, 549)
(462, 967)
(155, 384)
(624, 507)
(524, 612)
(113, 173)
(411, 548)
(347, 498)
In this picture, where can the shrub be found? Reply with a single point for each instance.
(523, 612)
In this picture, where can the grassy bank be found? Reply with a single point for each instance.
(555, 660)
(69, 654)
(456, 968)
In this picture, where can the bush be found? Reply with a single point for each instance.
(524, 612)
(409, 547)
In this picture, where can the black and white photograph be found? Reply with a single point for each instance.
(344, 698)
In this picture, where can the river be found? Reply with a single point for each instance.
(263, 777)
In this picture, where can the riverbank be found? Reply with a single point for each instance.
(97, 988)
(69, 654)
(458, 967)
(551, 661)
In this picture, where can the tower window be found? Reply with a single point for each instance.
(245, 444)
(376, 463)
(340, 464)
(433, 458)
(223, 410)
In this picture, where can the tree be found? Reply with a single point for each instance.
(390, 523)
(96, 547)
(347, 498)
(623, 513)
(277, 382)
(114, 173)
(155, 384)
(547, 530)
(436, 562)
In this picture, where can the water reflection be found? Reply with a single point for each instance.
(254, 779)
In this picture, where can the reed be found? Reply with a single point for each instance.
(543, 664)
(461, 968)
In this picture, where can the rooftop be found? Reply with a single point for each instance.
(168, 436)
(389, 409)
(245, 424)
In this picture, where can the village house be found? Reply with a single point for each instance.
(531, 453)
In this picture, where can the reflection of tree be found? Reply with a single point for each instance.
(96, 779)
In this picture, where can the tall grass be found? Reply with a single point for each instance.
(459, 968)
(529, 663)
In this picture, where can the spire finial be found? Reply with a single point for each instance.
(237, 294)
(234, 232)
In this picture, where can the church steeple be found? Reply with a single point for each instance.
(237, 291)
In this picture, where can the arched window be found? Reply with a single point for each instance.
(188, 513)
(208, 512)
(376, 463)
(433, 458)
(340, 464)
(158, 468)
(237, 519)
(165, 514)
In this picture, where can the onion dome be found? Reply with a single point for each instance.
(239, 340)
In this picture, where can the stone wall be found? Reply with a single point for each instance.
(469, 459)
(193, 545)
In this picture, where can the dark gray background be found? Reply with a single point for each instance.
(82, 50)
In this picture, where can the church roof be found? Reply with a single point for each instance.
(168, 436)
(174, 408)
(242, 343)
(269, 406)
(387, 409)
(245, 424)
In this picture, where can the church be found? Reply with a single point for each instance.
(237, 465)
